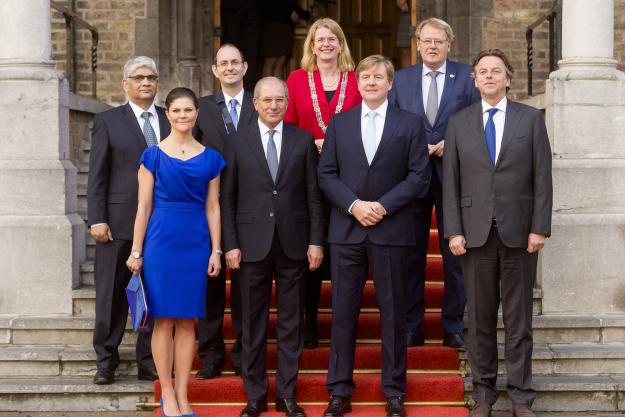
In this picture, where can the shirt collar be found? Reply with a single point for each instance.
(442, 69)
(264, 129)
(381, 111)
(238, 97)
(501, 106)
(138, 111)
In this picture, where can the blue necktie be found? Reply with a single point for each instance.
(148, 132)
(272, 156)
(490, 134)
(233, 112)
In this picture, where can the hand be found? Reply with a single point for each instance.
(294, 17)
(457, 245)
(135, 265)
(365, 214)
(233, 258)
(214, 265)
(403, 5)
(101, 233)
(378, 208)
(319, 144)
(440, 147)
(535, 242)
(315, 257)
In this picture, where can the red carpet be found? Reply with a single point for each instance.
(434, 388)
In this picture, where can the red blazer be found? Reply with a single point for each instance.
(301, 112)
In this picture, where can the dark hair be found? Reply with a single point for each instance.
(231, 45)
(180, 92)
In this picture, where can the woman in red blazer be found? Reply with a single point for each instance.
(325, 85)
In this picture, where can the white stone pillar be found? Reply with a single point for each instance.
(40, 232)
(583, 264)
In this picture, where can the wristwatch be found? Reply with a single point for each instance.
(136, 254)
(219, 252)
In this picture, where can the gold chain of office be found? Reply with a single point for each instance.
(315, 100)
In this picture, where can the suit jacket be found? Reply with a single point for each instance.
(398, 174)
(253, 206)
(517, 190)
(210, 129)
(117, 143)
(459, 92)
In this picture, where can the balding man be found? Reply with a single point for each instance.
(273, 225)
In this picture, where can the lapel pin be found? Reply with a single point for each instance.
(452, 75)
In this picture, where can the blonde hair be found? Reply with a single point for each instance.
(309, 61)
(438, 24)
(373, 61)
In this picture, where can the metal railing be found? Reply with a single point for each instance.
(71, 21)
(554, 17)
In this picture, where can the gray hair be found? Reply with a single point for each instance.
(137, 62)
(268, 79)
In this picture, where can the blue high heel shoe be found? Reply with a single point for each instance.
(165, 415)
(189, 415)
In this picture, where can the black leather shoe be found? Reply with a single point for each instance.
(454, 340)
(147, 374)
(254, 408)
(337, 406)
(395, 407)
(104, 377)
(290, 407)
(413, 339)
(209, 371)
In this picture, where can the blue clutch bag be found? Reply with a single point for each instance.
(137, 301)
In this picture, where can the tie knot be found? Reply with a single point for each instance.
(233, 103)
(433, 74)
(146, 115)
(372, 114)
(491, 112)
(271, 133)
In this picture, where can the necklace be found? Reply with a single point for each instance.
(332, 83)
(315, 100)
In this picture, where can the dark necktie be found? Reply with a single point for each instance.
(148, 132)
(432, 103)
(490, 134)
(233, 113)
(272, 156)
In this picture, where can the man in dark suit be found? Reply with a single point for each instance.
(372, 167)
(220, 115)
(497, 200)
(118, 139)
(453, 90)
(272, 225)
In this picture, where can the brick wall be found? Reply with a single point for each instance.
(115, 21)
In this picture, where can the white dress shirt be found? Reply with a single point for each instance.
(499, 120)
(426, 80)
(238, 98)
(379, 120)
(138, 111)
(277, 136)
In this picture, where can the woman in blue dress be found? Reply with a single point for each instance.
(177, 238)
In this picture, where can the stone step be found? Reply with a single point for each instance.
(58, 330)
(72, 394)
(86, 272)
(568, 393)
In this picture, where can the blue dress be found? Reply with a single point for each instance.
(177, 243)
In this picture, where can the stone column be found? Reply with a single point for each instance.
(41, 236)
(189, 71)
(583, 264)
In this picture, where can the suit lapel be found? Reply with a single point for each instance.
(163, 123)
(356, 120)
(133, 125)
(390, 124)
(255, 143)
(418, 92)
(450, 78)
(288, 143)
(216, 115)
(512, 119)
(247, 109)
(476, 124)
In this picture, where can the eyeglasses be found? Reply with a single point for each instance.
(330, 39)
(269, 100)
(435, 42)
(140, 78)
(225, 64)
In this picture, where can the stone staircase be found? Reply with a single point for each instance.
(46, 363)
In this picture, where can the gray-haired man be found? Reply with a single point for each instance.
(119, 137)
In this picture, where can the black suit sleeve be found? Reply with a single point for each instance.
(313, 194)
(451, 184)
(228, 197)
(543, 187)
(99, 171)
(415, 185)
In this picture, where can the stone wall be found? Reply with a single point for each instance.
(115, 21)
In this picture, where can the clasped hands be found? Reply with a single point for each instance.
(437, 149)
(368, 213)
